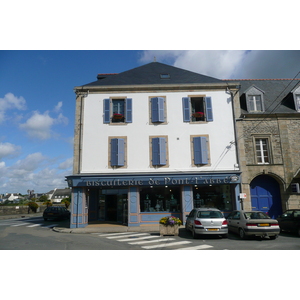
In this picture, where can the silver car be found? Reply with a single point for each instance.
(252, 223)
(206, 221)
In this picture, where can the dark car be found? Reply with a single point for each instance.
(290, 221)
(56, 212)
(252, 223)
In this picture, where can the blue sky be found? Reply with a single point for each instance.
(37, 101)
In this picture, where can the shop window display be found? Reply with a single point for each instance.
(220, 196)
(159, 199)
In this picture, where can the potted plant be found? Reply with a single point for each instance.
(169, 225)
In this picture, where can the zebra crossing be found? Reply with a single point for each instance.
(26, 224)
(152, 242)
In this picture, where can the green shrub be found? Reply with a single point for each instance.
(33, 206)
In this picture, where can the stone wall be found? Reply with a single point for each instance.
(19, 209)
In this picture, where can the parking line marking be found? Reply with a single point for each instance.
(199, 247)
(136, 239)
(152, 241)
(134, 234)
(166, 245)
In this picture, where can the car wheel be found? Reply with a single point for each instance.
(224, 236)
(298, 231)
(273, 237)
(242, 234)
(194, 234)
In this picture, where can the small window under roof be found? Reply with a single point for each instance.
(165, 76)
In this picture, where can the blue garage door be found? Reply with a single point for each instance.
(265, 195)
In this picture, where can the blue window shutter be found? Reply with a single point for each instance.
(114, 152)
(200, 150)
(159, 153)
(117, 152)
(209, 110)
(155, 151)
(121, 152)
(186, 109)
(128, 110)
(106, 109)
(162, 151)
(157, 110)
(161, 109)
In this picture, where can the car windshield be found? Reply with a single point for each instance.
(209, 214)
(256, 215)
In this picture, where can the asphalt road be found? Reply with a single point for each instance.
(37, 234)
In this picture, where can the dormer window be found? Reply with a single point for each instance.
(297, 102)
(255, 103)
(255, 99)
(165, 76)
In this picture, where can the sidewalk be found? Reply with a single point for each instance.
(107, 228)
(91, 228)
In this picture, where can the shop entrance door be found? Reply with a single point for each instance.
(111, 208)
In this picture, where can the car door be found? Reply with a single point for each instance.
(295, 221)
(190, 220)
(286, 220)
(233, 221)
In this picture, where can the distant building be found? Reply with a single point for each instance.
(56, 195)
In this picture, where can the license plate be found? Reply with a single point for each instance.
(263, 225)
(212, 229)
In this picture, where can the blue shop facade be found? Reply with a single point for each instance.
(142, 200)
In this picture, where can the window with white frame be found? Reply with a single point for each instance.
(297, 102)
(255, 103)
(262, 150)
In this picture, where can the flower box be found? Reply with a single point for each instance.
(168, 230)
(118, 116)
(198, 114)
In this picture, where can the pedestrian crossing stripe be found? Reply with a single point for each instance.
(166, 245)
(152, 241)
(198, 247)
(139, 238)
(133, 234)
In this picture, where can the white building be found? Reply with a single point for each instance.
(150, 142)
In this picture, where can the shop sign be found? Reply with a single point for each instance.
(158, 181)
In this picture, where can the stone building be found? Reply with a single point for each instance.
(267, 116)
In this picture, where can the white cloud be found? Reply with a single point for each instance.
(35, 172)
(8, 150)
(58, 107)
(10, 102)
(67, 164)
(40, 125)
(231, 64)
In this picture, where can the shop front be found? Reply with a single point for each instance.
(139, 200)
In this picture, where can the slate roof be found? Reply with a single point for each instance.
(150, 74)
(278, 97)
